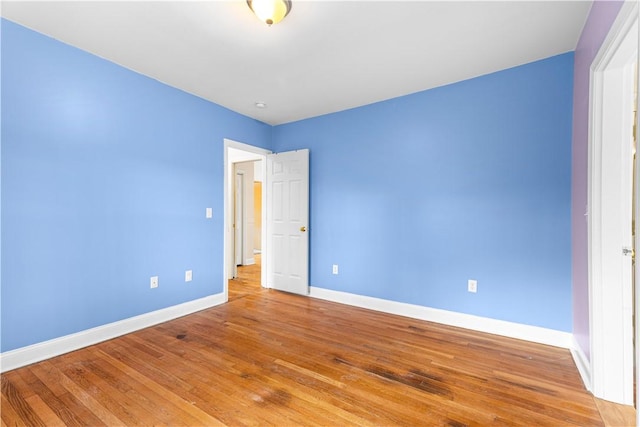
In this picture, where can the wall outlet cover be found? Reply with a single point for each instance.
(472, 286)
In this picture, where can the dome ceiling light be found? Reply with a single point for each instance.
(270, 11)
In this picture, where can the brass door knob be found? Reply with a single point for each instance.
(303, 229)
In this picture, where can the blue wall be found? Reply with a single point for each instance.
(106, 175)
(413, 196)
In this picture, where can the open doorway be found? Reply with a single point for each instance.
(284, 242)
(247, 228)
(244, 238)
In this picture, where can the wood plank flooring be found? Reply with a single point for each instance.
(616, 415)
(248, 280)
(271, 358)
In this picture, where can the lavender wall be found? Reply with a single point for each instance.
(600, 19)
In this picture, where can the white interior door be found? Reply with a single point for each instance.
(287, 183)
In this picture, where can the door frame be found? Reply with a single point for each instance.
(610, 317)
(235, 152)
(238, 217)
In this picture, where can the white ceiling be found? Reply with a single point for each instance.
(326, 56)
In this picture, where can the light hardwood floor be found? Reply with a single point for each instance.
(271, 358)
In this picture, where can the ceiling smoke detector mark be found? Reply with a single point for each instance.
(261, 105)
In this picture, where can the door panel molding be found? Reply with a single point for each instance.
(287, 184)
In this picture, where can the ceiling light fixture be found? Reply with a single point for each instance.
(261, 105)
(270, 11)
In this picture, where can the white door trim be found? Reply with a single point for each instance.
(235, 151)
(238, 219)
(637, 237)
(610, 317)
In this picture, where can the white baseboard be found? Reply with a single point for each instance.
(467, 321)
(44, 350)
(582, 363)
(249, 261)
(34, 353)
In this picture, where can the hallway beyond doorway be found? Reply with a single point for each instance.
(248, 280)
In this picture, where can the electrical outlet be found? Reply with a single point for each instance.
(472, 286)
(209, 213)
(335, 268)
(188, 275)
(153, 283)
